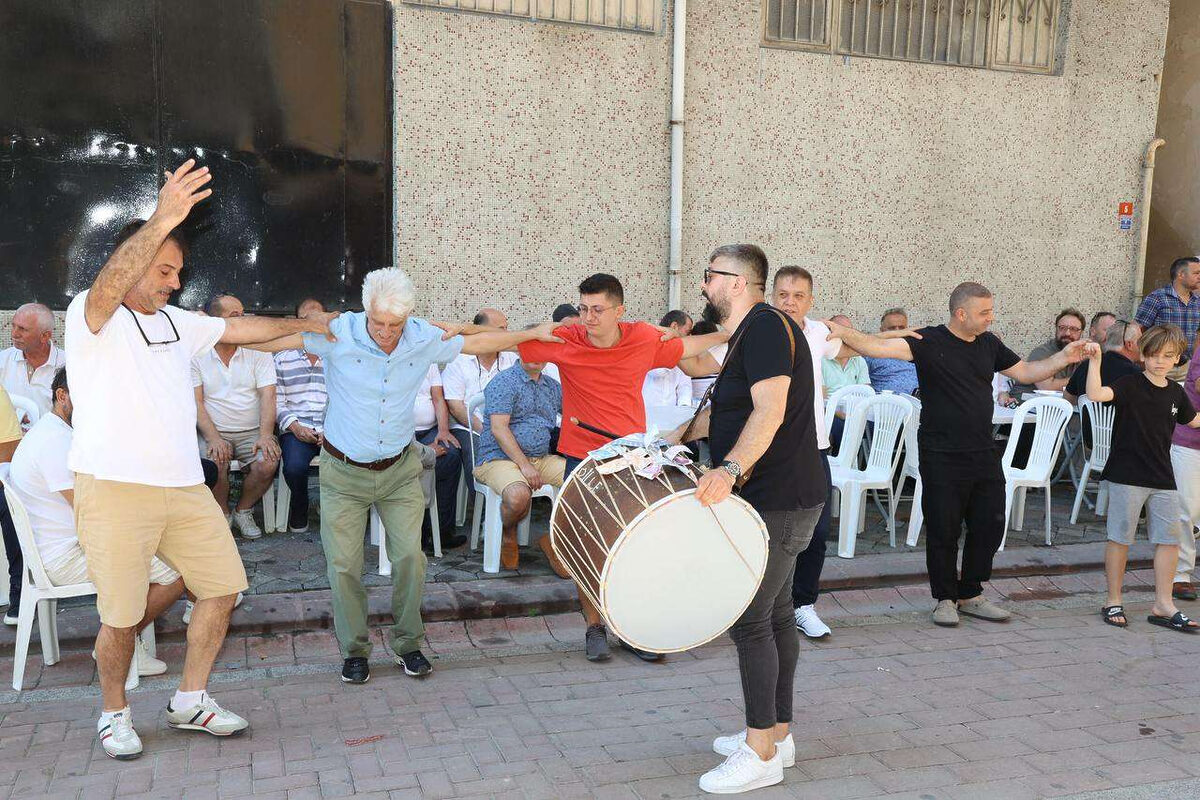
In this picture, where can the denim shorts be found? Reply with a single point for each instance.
(1125, 506)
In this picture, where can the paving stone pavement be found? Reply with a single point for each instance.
(1052, 704)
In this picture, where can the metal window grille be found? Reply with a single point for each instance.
(627, 15)
(1003, 34)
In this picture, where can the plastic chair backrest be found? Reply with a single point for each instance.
(20, 518)
(911, 450)
(1052, 415)
(890, 415)
(474, 406)
(1100, 418)
(845, 399)
(24, 404)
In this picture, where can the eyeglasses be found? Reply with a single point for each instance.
(588, 310)
(1069, 329)
(709, 272)
(146, 338)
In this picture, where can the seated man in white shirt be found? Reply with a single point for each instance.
(27, 368)
(466, 376)
(235, 412)
(46, 487)
(670, 386)
(432, 428)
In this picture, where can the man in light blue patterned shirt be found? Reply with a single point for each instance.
(372, 373)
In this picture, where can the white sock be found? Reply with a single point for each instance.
(183, 700)
(106, 716)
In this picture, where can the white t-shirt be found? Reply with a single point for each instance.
(14, 377)
(465, 377)
(819, 347)
(424, 417)
(231, 392)
(667, 386)
(700, 385)
(38, 474)
(135, 409)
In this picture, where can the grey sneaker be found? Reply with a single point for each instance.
(982, 608)
(946, 614)
(596, 643)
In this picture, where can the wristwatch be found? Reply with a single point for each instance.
(732, 467)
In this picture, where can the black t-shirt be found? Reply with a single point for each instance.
(1142, 430)
(955, 379)
(789, 475)
(1113, 367)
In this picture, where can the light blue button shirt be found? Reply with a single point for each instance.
(371, 393)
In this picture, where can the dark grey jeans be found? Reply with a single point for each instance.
(765, 634)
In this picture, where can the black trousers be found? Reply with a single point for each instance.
(16, 564)
(767, 643)
(448, 472)
(961, 488)
(810, 562)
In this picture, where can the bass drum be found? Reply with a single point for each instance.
(666, 573)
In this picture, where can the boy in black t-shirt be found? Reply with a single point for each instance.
(961, 478)
(1139, 470)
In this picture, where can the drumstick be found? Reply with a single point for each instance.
(594, 429)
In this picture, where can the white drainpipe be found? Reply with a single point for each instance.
(678, 59)
(1139, 274)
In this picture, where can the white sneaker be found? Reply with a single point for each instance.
(244, 522)
(207, 716)
(725, 745)
(117, 736)
(810, 624)
(743, 771)
(147, 664)
(188, 605)
(10, 619)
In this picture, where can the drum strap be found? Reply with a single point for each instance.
(733, 343)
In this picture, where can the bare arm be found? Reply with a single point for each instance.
(492, 341)
(129, 262)
(770, 401)
(508, 442)
(293, 341)
(1097, 392)
(700, 366)
(7, 449)
(219, 450)
(458, 409)
(266, 411)
(698, 431)
(1031, 373)
(256, 330)
(69, 496)
(698, 345)
(442, 413)
(867, 345)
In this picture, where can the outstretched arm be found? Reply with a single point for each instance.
(491, 341)
(868, 345)
(1097, 392)
(183, 189)
(258, 330)
(1030, 373)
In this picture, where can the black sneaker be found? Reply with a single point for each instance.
(644, 655)
(596, 643)
(414, 664)
(298, 522)
(355, 670)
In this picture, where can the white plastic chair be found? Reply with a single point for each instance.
(268, 498)
(39, 598)
(1052, 415)
(487, 508)
(890, 415)
(283, 497)
(24, 405)
(379, 533)
(1100, 418)
(845, 399)
(912, 469)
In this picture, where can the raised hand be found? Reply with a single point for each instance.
(184, 188)
(545, 332)
(1080, 349)
(319, 323)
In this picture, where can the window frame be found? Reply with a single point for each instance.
(655, 30)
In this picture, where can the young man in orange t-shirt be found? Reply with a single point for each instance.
(602, 363)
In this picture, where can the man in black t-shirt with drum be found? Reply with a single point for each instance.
(762, 434)
(960, 464)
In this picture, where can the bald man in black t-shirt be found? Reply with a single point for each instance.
(960, 466)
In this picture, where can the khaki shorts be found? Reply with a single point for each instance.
(242, 443)
(122, 526)
(498, 475)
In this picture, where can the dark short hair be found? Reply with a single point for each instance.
(130, 228)
(1100, 315)
(703, 326)
(1180, 264)
(302, 303)
(750, 256)
(59, 382)
(480, 319)
(675, 317)
(563, 311)
(967, 290)
(791, 272)
(602, 283)
(1072, 312)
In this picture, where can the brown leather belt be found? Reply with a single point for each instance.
(374, 466)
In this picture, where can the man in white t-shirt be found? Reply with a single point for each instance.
(466, 376)
(670, 386)
(45, 485)
(27, 368)
(431, 417)
(235, 413)
(139, 487)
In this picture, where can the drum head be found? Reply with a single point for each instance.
(681, 574)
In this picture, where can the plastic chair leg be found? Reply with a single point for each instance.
(378, 537)
(1083, 479)
(268, 504)
(24, 633)
(460, 503)
(435, 526)
(283, 503)
(1048, 521)
(476, 520)
(891, 517)
(847, 534)
(1008, 502)
(1019, 508)
(523, 529)
(493, 531)
(45, 617)
(917, 516)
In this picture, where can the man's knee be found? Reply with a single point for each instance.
(516, 497)
(265, 469)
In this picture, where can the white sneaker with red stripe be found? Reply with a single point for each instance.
(117, 736)
(207, 716)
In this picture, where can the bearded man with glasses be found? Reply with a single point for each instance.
(139, 486)
(1069, 326)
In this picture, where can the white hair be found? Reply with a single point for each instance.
(389, 291)
(43, 315)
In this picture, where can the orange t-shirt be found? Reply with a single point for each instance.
(602, 386)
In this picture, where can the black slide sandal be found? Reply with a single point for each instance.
(1110, 613)
(1179, 622)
